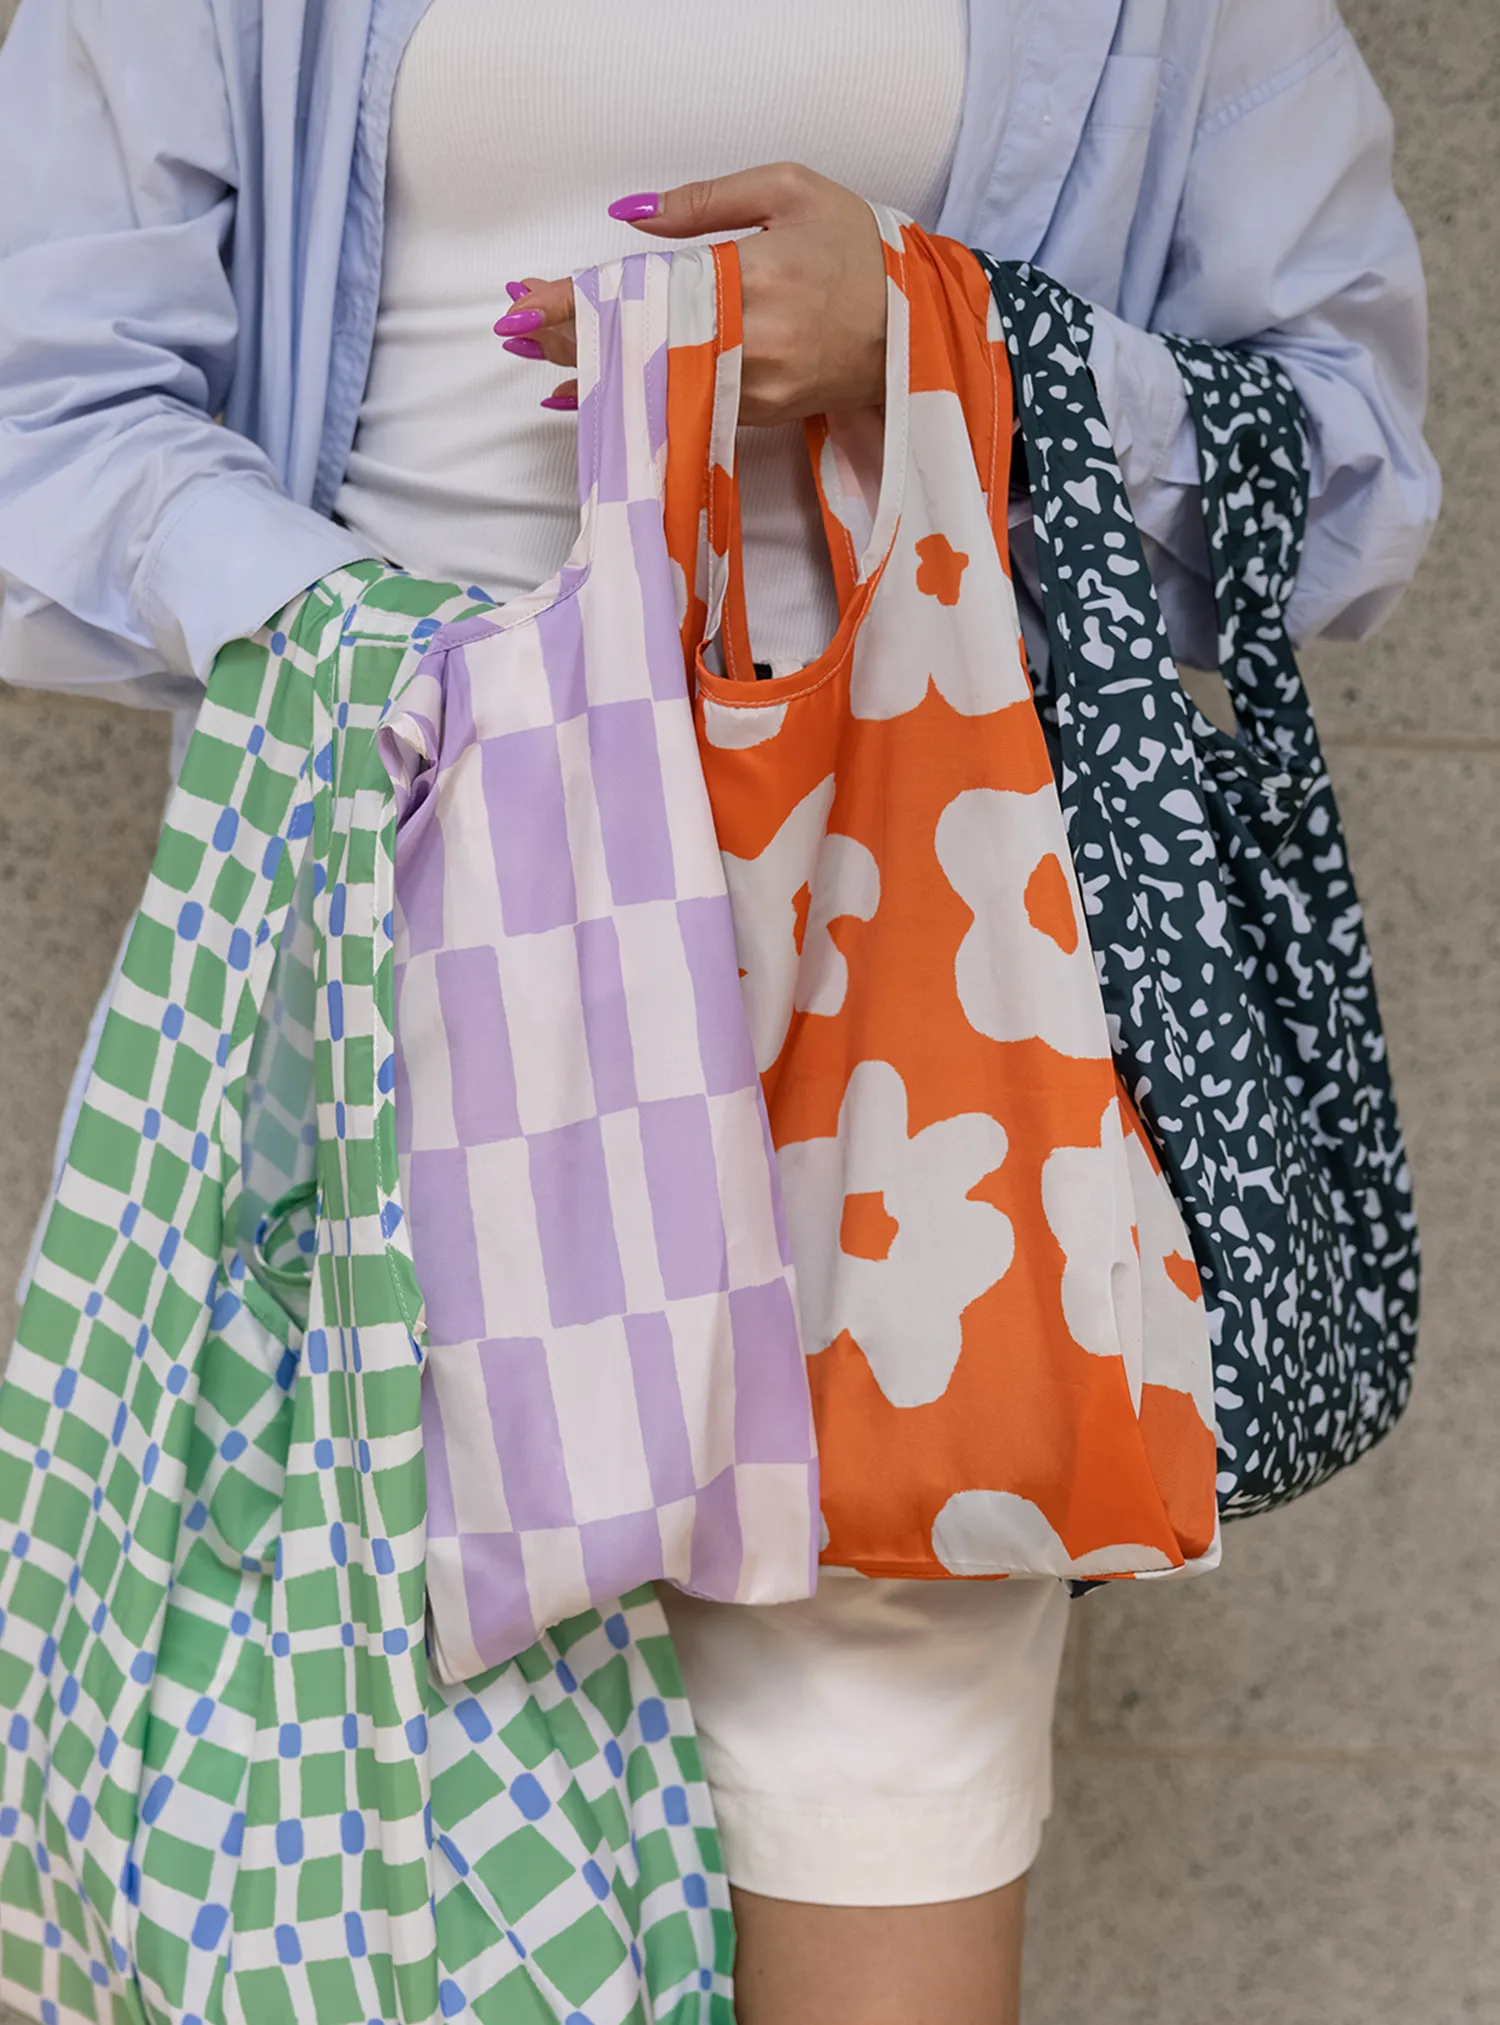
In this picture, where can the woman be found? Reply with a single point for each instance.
(302, 220)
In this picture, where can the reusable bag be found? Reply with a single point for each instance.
(615, 1384)
(1007, 1344)
(1229, 937)
(231, 1790)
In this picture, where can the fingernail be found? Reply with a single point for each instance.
(524, 348)
(630, 210)
(567, 403)
(516, 289)
(517, 322)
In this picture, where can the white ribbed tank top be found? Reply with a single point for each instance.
(513, 127)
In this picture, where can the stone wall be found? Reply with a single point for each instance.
(1279, 1793)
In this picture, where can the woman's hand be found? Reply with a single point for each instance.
(814, 290)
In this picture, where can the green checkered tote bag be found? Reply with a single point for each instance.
(231, 1792)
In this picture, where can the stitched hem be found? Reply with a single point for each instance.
(229, 553)
(894, 1854)
(1273, 86)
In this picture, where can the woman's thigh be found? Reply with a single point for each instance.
(953, 1964)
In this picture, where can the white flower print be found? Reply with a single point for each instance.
(941, 627)
(1025, 969)
(847, 882)
(1003, 1533)
(886, 1242)
(1089, 1206)
(784, 901)
(1177, 1348)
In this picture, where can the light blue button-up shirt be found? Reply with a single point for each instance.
(191, 229)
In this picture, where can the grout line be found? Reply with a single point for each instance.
(1376, 1757)
(1414, 741)
(1082, 1674)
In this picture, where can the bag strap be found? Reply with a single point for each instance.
(1099, 599)
(1253, 470)
(858, 462)
(1104, 621)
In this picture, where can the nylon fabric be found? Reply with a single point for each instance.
(615, 1386)
(1007, 1343)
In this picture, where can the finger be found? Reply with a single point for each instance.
(557, 346)
(540, 325)
(541, 307)
(563, 398)
(777, 193)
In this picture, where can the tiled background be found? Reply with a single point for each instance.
(1279, 1789)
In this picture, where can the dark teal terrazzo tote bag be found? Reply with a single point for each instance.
(1229, 938)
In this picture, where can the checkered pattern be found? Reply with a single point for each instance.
(230, 1790)
(617, 1389)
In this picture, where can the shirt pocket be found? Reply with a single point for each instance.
(1105, 181)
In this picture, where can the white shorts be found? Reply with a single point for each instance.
(884, 1743)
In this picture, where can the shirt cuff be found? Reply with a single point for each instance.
(1146, 407)
(231, 553)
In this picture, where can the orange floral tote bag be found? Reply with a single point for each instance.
(1006, 1337)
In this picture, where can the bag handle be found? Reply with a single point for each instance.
(702, 492)
(1100, 601)
(1253, 472)
(620, 313)
(727, 617)
(700, 501)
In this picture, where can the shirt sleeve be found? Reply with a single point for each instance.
(1289, 240)
(136, 534)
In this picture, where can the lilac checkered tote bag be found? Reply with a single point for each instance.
(615, 1385)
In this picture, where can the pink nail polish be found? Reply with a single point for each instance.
(566, 403)
(516, 290)
(518, 322)
(524, 348)
(630, 210)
